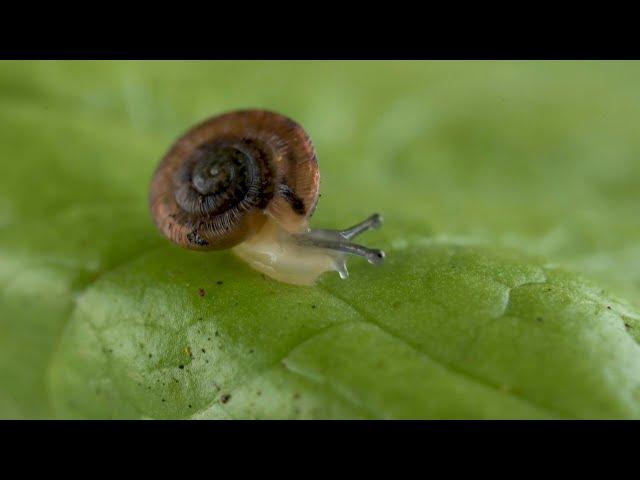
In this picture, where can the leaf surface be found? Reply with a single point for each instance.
(510, 290)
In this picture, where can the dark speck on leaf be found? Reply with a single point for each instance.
(189, 406)
(219, 282)
(150, 355)
(627, 326)
(251, 351)
(204, 351)
(539, 319)
(225, 397)
(313, 306)
(180, 367)
(216, 333)
(201, 292)
(608, 307)
(163, 400)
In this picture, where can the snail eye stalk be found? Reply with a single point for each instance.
(340, 241)
(372, 223)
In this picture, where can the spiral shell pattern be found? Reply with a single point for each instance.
(224, 178)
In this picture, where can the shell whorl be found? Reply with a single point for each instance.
(220, 182)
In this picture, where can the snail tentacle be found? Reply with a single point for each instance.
(340, 240)
(372, 223)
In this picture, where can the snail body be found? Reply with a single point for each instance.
(249, 180)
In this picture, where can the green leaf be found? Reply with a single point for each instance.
(510, 290)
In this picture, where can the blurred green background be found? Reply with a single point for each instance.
(543, 157)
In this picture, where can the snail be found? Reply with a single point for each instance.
(249, 180)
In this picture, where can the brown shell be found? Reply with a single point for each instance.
(289, 174)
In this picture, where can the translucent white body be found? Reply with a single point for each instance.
(300, 258)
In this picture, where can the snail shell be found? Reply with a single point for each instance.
(247, 180)
(220, 181)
